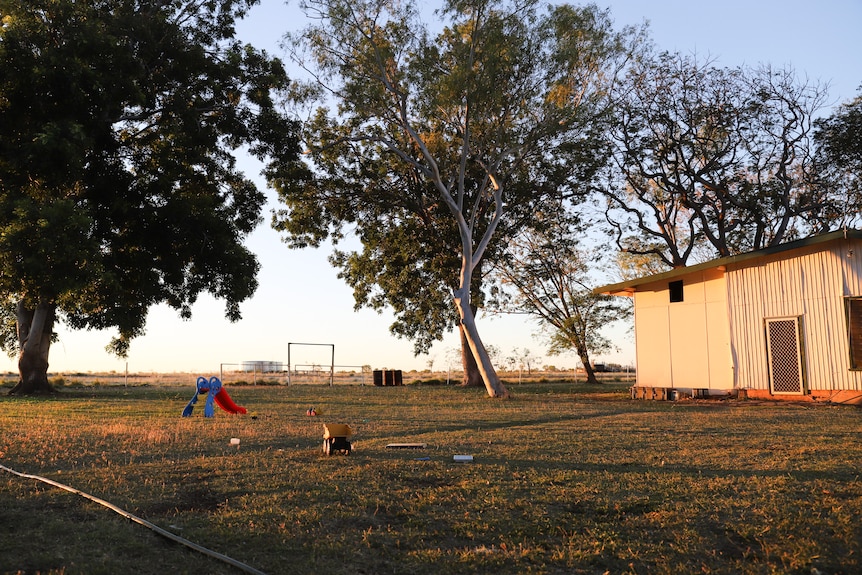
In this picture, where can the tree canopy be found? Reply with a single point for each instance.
(712, 161)
(443, 143)
(839, 161)
(119, 124)
(546, 273)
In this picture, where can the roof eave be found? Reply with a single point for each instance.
(630, 286)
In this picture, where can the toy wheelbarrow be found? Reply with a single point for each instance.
(335, 438)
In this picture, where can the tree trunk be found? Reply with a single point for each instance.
(588, 367)
(472, 377)
(35, 329)
(493, 385)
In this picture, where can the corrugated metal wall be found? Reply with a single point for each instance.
(811, 284)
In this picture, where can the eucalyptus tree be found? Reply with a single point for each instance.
(839, 161)
(119, 123)
(547, 273)
(715, 157)
(442, 142)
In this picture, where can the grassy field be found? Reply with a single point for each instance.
(565, 479)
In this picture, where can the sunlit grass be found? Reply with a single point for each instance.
(565, 479)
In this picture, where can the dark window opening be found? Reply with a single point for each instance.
(854, 329)
(675, 289)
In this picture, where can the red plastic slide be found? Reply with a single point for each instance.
(225, 402)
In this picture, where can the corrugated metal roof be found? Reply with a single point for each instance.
(631, 285)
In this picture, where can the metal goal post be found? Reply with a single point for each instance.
(331, 362)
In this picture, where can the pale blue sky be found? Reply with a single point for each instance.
(300, 299)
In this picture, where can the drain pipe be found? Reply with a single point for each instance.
(139, 521)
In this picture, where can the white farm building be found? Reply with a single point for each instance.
(782, 322)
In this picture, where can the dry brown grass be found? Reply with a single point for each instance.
(566, 479)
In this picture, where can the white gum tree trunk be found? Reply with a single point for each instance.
(493, 385)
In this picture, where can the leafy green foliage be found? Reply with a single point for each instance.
(118, 182)
(444, 145)
(547, 273)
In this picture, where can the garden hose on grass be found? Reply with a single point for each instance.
(140, 521)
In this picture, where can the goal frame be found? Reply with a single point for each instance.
(331, 361)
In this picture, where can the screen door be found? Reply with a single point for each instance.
(784, 351)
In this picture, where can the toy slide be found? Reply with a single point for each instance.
(225, 402)
(216, 394)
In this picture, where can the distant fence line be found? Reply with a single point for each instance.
(300, 374)
(307, 374)
(312, 374)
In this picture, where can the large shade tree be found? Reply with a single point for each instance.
(838, 161)
(713, 158)
(119, 121)
(396, 268)
(442, 143)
